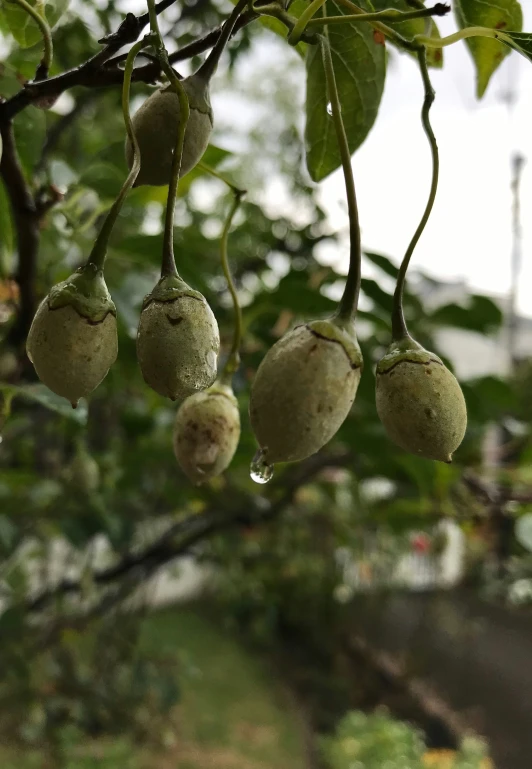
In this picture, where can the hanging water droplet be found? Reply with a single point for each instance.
(329, 108)
(1, 439)
(260, 471)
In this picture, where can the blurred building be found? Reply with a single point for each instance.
(473, 354)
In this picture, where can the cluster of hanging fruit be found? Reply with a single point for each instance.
(307, 382)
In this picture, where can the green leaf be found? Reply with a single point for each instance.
(495, 14)
(21, 25)
(383, 263)
(374, 292)
(482, 315)
(488, 398)
(520, 42)
(39, 393)
(413, 27)
(30, 132)
(359, 66)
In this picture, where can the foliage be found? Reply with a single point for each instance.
(376, 740)
(92, 503)
(84, 684)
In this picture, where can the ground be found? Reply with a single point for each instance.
(233, 712)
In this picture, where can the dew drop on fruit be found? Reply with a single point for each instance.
(260, 471)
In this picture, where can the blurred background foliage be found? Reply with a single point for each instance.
(92, 500)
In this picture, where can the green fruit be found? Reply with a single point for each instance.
(155, 125)
(72, 341)
(420, 402)
(83, 473)
(177, 340)
(206, 433)
(304, 389)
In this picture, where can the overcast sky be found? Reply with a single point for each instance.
(469, 234)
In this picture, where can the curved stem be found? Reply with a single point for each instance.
(391, 15)
(46, 61)
(399, 40)
(462, 34)
(208, 68)
(212, 171)
(233, 361)
(99, 250)
(295, 35)
(349, 300)
(168, 265)
(399, 329)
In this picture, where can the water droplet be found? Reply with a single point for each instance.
(260, 471)
(1, 439)
(329, 108)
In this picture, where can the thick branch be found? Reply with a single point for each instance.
(26, 218)
(102, 71)
(178, 540)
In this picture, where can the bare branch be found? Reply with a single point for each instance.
(102, 70)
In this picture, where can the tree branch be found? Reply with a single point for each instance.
(26, 218)
(178, 540)
(102, 70)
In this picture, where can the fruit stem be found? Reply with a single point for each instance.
(295, 35)
(213, 172)
(208, 68)
(99, 250)
(40, 20)
(399, 328)
(168, 265)
(349, 300)
(233, 361)
(462, 34)
(392, 16)
(392, 34)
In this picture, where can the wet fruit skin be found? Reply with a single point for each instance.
(206, 432)
(155, 125)
(177, 341)
(304, 389)
(420, 402)
(73, 340)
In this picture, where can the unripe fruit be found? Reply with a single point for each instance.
(83, 473)
(304, 389)
(72, 341)
(420, 402)
(206, 432)
(156, 123)
(177, 340)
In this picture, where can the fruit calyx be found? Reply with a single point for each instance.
(168, 289)
(340, 332)
(86, 292)
(406, 349)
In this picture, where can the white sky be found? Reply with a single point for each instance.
(469, 234)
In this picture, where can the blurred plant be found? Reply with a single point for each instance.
(92, 684)
(376, 740)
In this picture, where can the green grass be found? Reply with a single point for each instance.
(233, 712)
